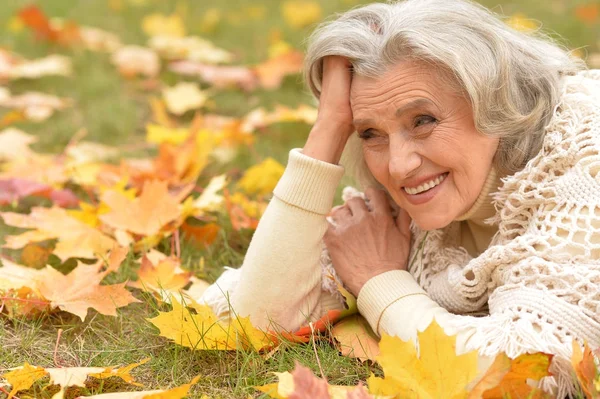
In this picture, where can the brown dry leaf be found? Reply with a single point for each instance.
(75, 238)
(161, 277)
(183, 97)
(271, 72)
(586, 370)
(134, 60)
(356, 338)
(35, 256)
(514, 383)
(145, 215)
(80, 290)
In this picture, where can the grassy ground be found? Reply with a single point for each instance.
(114, 111)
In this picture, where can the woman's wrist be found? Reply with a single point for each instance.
(326, 143)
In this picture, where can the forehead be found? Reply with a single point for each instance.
(404, 80)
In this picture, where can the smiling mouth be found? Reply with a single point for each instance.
(423, 188)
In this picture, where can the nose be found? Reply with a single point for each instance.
(404, 160)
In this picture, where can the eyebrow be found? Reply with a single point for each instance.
(418, 103)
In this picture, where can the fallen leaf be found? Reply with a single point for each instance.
(191, 48)
(585, 370)
(75, 238)
(209, 200)
(514, 383)
(23, 378)
(262, 178)
(202, 330)
(37, 21)
(271, 72)
(218, 76)
(13, 190)
(184, 97)
(356, 338)
(145, 215)
(14, 144)
(492, 377)
(436, 372)
(134, 60)
(35, 106)
(162, 25)
(201, 235)
(301, 13)
(157, 134)
(588, 13)
(80, 290)
(162, 277)
(35, 256)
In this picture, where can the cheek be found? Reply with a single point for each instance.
(377, 162)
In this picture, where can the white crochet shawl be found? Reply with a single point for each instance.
(538, 283)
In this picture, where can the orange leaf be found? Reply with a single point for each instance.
(514, 383)
(202, 235)
(165, 275)
(585, 369)
(588, 13)
(145, 215)
(37, 21)
(492, 377)
(271, 72)
(81, 289)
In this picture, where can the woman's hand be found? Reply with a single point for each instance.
(333, 126)
(365, 243)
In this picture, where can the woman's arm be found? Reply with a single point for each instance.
(280, 280)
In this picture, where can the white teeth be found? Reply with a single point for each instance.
(426, 186)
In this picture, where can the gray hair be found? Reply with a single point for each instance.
(511, 78)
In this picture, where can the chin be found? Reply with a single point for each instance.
(431, 222)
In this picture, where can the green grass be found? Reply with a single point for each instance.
(114, 111)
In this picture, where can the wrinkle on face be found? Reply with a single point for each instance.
(404, 149)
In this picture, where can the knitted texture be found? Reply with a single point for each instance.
(539, 280)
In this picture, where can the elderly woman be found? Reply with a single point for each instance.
(479, 148)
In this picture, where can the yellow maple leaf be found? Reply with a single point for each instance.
(301, 13)
(261, 179)
(183, 97)
(437, 372)
(75, 238)
(163, 25)
(23, 378)
(204, 331)
(157, 134)
(179, 392)
(121, 372)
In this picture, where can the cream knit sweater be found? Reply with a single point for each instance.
(535, 287)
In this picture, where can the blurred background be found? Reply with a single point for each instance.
(114, 108)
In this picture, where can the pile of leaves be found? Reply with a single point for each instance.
(79, 215)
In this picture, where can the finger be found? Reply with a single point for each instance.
(379, 201)
(357, 206)
(340, 213)
(403, 223)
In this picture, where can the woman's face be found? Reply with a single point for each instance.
(419, 141)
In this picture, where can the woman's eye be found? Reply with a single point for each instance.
(424, 119)
(366, 134)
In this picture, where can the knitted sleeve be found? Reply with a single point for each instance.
(279, 284)
(541, 274)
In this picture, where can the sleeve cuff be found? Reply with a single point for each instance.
(383, 290)
(309, 183)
